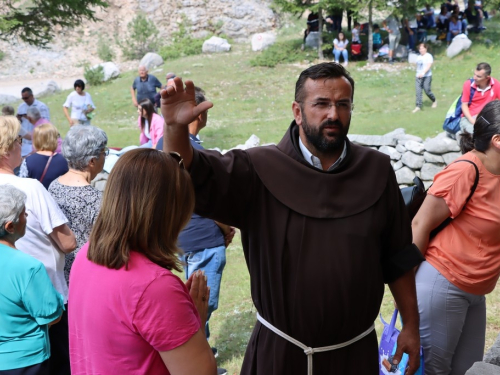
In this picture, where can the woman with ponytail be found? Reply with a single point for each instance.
(463, 259)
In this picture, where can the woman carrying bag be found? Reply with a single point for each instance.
(463, 259)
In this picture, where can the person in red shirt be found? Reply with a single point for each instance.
(487, 89)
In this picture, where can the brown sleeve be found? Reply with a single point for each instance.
(224, 186)
(399, 254)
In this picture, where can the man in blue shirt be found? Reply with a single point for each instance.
(146, 85)
(203, 240)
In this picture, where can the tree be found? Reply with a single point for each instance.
(35, 21)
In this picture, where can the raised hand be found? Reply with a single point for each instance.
(178, 105)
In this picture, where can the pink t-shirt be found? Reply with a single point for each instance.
(120, 319)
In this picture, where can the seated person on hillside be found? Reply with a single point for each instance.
(421, 28)
(474, 17)
(443, 20)
(429, 17)
(455, 28)
(461, 18)
(479, 5)
(340, 48)
(376, 38)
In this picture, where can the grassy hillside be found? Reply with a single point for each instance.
(255, 100)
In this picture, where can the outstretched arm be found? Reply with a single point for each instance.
(179, 109)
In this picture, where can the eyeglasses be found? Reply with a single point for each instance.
(320, 105)
(26, 97)
(177, 158)
(106, 151)
(19, 140)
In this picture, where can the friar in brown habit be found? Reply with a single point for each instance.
(323, 227)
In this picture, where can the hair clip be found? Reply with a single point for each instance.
(485, 120)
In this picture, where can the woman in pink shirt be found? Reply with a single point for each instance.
(128, 313)
(150, 123)
(463, 259)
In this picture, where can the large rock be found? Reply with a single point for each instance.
(441, 145)
(216, 45)
(493, 355)
(429, 170)
(481, 368)
(433, 158)
(450, 157)
(49, 88)
(253, 141)
(396, 133)
(372, 140)
(413, 146)
(312, 39)
(405, 176)
(412, 160)
(7, 99)
(397, 165)
(110, 70)
(151, 60)
(391, 151)
(261, 41)
(458, 44)
(400, 148)
(407, 137)
(401, 52)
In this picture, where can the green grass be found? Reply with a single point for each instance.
(257, 100)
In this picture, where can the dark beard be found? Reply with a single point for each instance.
(315, 136)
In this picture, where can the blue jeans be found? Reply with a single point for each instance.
(337, 53)
(212, 261)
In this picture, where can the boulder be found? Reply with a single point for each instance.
(407, 137)
(412, 160)
(391, 151)
(405, 176)
(416, 147)
(397, 165)
(253, 141)
(450, 157)
(110, 70)
(401, 52)
(312, 39)
(372, 140)
(151, 60)
(441, 145)
(429, 170)
(216, 45)
(396, 133)
(458, 44)
(48, 88)
(492, 356)
(427, 184)
(7, 99)
(481, 368)
(400, 148)
(433, 158)
(261, 41)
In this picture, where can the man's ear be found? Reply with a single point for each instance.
(9, 227)
(297, 113)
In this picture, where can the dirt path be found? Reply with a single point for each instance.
(14, 87)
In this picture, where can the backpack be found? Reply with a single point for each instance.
(452, 121)
(414, 196)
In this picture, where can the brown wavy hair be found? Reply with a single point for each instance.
(148, 199)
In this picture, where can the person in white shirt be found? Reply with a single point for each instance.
(340, 48)
(423, 77)
(26, 126)
(81, 105)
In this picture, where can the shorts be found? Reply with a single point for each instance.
(394, 41)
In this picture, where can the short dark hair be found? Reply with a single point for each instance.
(28, 90)
(326, 71)
(199, 95)
(484, 66)
(79, 83)
(487, 125)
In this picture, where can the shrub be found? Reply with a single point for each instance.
(183, 44)
(94, 77)
(279, 53)
(143, 38)
(104, 50)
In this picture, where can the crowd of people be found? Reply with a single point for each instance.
(87, 275)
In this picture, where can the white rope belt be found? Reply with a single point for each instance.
(310, 351)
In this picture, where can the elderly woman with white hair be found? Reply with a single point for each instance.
(47, 236)
(29, 303)
(85, 150)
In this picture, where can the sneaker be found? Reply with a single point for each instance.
(216, 353)
(416, 110)
(221, 371)
(435, 104)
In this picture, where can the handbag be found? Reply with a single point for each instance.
(388, 346)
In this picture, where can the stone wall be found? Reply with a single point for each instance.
(411, 155)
